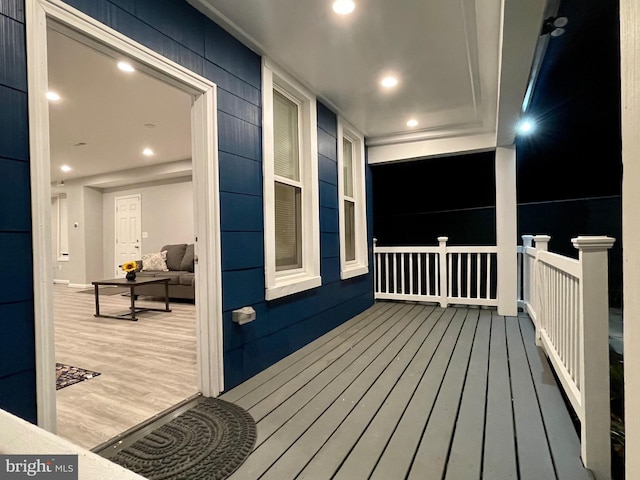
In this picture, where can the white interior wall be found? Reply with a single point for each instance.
(93, 233)
(73, 270)
(167, 216)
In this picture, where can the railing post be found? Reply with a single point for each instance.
(526, 284)
(442, 257)
(376, 282)
(542, 245)
(594, 354)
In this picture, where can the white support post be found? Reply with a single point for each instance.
(594, 354)
(507, 230)
(630, 115)
(442, 256)
(526, 286)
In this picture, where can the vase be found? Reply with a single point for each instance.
(131, 276)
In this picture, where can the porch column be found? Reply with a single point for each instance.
(507, 230)
(630, 76)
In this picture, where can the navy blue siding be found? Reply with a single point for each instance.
(17, 341)
(177, 31)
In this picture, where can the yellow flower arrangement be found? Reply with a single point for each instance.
(130, 266)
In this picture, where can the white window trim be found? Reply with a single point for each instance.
(359, 266)
(280, 284)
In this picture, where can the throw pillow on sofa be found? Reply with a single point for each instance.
(174, 255)
(187, 261)
(155, 261)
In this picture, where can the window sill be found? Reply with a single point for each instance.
(291, 285)
(354, 271)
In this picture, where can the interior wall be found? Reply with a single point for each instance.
(167, 217)
(92, 227)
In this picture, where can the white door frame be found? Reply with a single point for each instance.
(205, 180)
(116, 230)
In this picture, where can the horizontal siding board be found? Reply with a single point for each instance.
(327, 170)
(232, 84)
(330, 270)
(127, 5)
(241, 250)
(239, 137)
(17, 344)
(328, 195)
(329, 220)
(15, 190)
(239, 174)
(13, 9)
(241, 213)
(18, 285)
(327, 145)
(242, 287)
(229, 54)
(171, 17)
(329, 245)
(17, 394)
(239, 108)
(13, 61)
(14, 124)
(327, 120)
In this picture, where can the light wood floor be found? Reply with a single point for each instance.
(408, 391)
(146, 366)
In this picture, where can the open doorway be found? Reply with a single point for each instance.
(98, 190)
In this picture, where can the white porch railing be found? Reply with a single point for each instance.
(443, 274)
(567, 301)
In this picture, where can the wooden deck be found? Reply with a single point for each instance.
(405, 391)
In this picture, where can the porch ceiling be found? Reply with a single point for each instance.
(446, 55)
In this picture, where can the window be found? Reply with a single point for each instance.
(353, 219)
(60, 227)
(291, 208)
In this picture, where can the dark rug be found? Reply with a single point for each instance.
(106, 290)
(67, 375)
(208, 441)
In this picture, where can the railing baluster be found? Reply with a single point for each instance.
(478, 275)
(428, 271)
(468, 295)
(386, 271)
(488, 291)
(378, 273)
(420, 274)
(411, 273)
(395, 273)
(402, 273)
(450, 276)
(459, 293)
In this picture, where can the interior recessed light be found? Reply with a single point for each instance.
(413, 123)
(147, 152)
(65, 168)
(53, 96)
(126, 67)
(344, 7)
(389, 82)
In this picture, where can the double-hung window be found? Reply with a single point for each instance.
(353, 219)
(290, 164)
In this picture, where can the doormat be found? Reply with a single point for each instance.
(106, 290)
(67, 375)
(208, 441)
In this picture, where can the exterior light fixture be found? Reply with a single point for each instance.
(554, 26)
(526, 127)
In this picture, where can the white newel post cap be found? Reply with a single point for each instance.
(542, 242)
(443, 239)
(593, 244)
(527, 240)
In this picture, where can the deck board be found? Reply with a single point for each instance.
(412, 391)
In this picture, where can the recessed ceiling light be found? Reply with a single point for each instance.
(65, 168)
(126, 67)
(343, 7)
(52, 96)
(389, 82)
(147, 152)
(413, 123)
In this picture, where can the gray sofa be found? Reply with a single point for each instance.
(180, 262)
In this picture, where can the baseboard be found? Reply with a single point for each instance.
(60, 282)
(80, 285)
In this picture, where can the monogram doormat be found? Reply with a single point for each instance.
(67, 375)
(208, 441)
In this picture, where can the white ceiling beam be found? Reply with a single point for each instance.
(521, 25)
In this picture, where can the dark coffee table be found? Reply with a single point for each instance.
(132, 284)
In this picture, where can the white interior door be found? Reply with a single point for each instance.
(128, 230)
